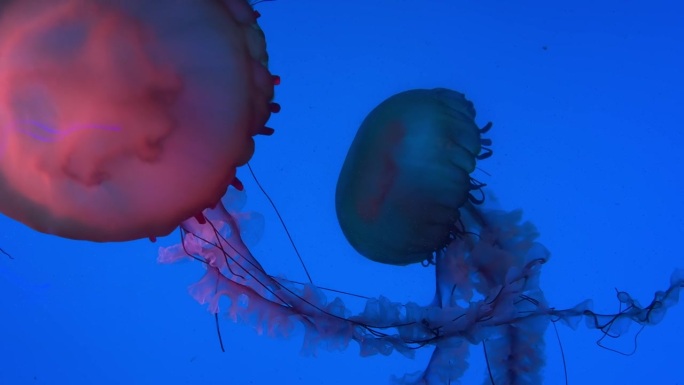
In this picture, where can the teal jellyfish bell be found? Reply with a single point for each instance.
(407, 175)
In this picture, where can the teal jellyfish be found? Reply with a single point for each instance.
(407, 175)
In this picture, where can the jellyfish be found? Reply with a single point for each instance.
(405, 195)
(407, 175)
(115, 124)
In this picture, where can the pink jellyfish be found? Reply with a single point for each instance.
(121, 119)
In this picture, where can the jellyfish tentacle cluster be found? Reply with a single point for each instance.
(487, 292)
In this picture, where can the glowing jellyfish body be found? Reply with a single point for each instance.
(407, 175)
(115, 122)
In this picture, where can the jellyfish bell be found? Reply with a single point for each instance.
(407, 175)
(121, 119)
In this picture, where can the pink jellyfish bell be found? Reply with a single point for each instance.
(120, 119)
